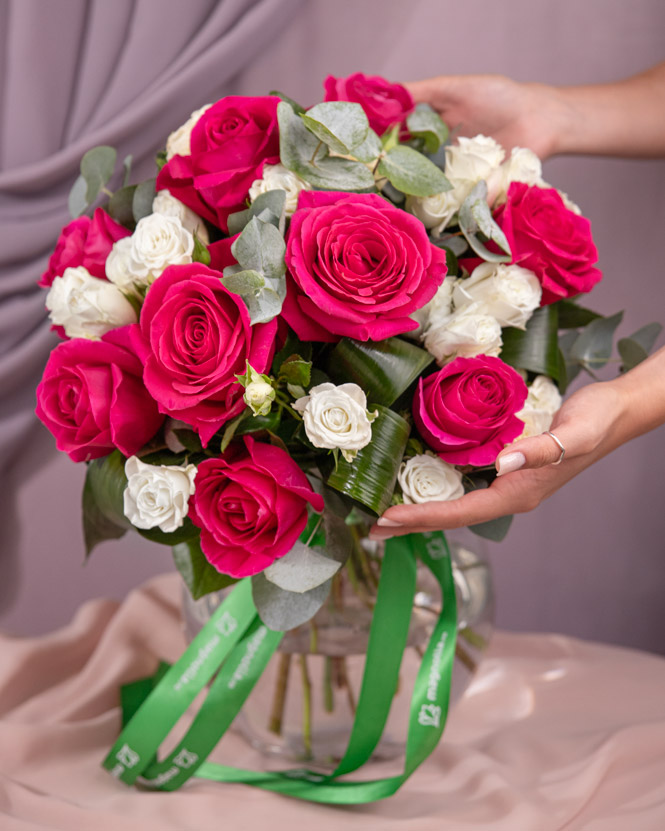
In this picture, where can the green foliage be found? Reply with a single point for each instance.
(283, 610)
(77, 202)
(573, 316)
(593, 346)
(382, 369)
(103, 517)
(200, 253)
(143, 198)
(97, 167)
(426, 124)
(120, 206)
(475, 217)
(296, 371)
(634, 349)
(342, 125)
(297, 108)
(302, 569)
(494, 529)
(200, 577)
(411, 172)
(535, 348)
(268, 207)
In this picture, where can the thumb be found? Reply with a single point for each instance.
(536, 451)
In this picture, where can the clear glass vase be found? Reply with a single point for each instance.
(303, 706)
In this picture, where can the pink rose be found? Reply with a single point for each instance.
(384, 103)
(251, 506)
(466, 411)
(194, 337)
(85, 242)
(230, 143)
(550, 240)
(93, 400)
(359, 267)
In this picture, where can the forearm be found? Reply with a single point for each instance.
(642, 394)
(625, 118)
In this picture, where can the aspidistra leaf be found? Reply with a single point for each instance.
(535, 348)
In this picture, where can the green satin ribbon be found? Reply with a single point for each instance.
(243, 658)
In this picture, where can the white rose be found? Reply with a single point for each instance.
(437, 311)
(337, 417)
(437, 211)
(117, 266)
(472, 159)
(157, 496)
(87, 307)
(522, 166)
(168, 205)
(178, 143)
(278, 177)
(508, 293)
(542, 402)
(158, 241)
(425, 478)
(465, 334)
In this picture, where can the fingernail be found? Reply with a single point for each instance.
(378, 536)
(509, 463)
(389, 523)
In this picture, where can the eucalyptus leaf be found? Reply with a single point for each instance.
(535, 348)
(301, 570)
(260, 247)
(370, 477)
(412, 173)
(338, 174)
(268, 206)
(143, 199)
(426, 123)
(127, 169)
(77, 201)
(475, 216)
(97, 166)
(370, 149)
(458, 245)
(103, 516)
(382, 369)
(200, 577)
(572, 367)
(264, 306)
(635, 348)
(494, 529)
(593, 346)
(342, 125)
(244, 283)
(390, 138)
(647, 336)
(119, 206)
(297, 108)
(283, 610)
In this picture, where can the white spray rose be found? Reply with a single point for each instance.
(158, 241)
(178, 143)
(466, 333)
(87, 307)
(522, 166)
(427, 477)
(278, 177)
(118, 264)
(167, 205)
(259, 396)
(337, 417)
(157, 496)
(436, 211)
(542, 402)
(508, 293)
(436, 312)
(472, 159)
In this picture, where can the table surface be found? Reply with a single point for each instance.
(554, 733)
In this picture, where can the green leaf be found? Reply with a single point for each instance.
(97, 167)
(127, 169)
(264, 306)
(535, 348)
(495, 529)
(268, 206)
(77, 201)
(302, 569)
(261, 248)
(647, 335)
(412, 173)
(593, 346)
(572, 316)
(188, 439)
(103, 516)
(296, 371)
(475, 216)
(370, 149)
(572, 367)
(230, 430)
(342, 125)
(143, 198)
(390, 138)
(244, 282)
(634, 349)
(301, 152)
(297, 108)
(160, 159)
(200, 577)
(425, 123)
(370, 478)
(283, 610)
(253, 423)
(120, 204)
(382, 369)
(187, 531)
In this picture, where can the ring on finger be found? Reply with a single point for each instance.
(559, 444)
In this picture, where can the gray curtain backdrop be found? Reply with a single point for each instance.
(590, 561)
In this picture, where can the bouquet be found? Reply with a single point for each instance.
(307, 316)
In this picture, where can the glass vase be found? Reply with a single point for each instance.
(302, 708)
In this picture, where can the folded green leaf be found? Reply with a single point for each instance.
(260, 247)
(302, 569)
(342, 125)
(426, 123)
(97, 167)
(283, 610)
(475, 217)
(103, 516)
(412, 173)
(382, 369)
(593, 346)
(634, 349)
(200, 577)
(535, 348)
(268, 207)
(370, 478)
(647, 336)
(244, 283)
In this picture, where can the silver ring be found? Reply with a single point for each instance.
(559, 444)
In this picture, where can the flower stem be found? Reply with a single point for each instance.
(462, 655)
(473, 637)
(328, 694)
(279, 697)
(343, 681)
(307, 707)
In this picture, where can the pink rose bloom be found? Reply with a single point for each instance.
(93, 400)
(550, 240)
(358, 267)
(230, 143)
(466, 412)
(85, 242)
(384, 103)
(251, 507)
(194, 337)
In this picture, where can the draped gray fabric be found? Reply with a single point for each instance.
(77, 73)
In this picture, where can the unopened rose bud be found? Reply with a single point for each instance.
(259, 396)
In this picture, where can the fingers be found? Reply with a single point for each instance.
(427, 91)
(536, 451)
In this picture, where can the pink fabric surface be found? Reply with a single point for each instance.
(554, 733)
